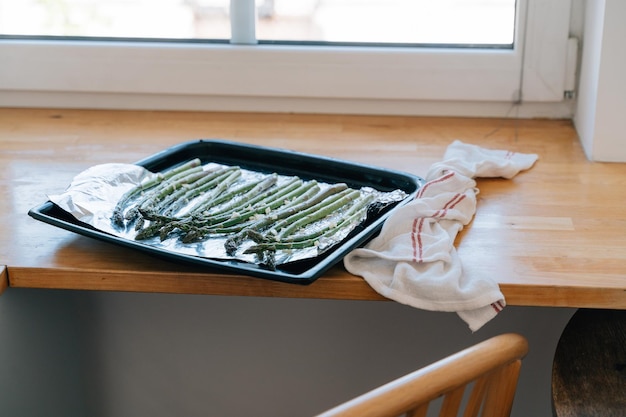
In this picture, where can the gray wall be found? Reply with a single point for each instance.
(41, 354)
(179, 355)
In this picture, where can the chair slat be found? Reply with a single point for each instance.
(452, 402)
(501, 390)
(420, 411)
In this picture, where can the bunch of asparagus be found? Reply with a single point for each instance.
(274, 213)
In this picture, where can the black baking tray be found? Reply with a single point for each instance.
(265, 160)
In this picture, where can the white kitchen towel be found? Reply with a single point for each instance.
(413, 260)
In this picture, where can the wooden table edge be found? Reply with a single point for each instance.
(564, 296)
(4, 279)
(333, 286)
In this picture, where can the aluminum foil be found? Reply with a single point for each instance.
(93, 194)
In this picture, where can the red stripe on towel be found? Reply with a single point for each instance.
(449, 205)
(420, 246)
(416, 239)
(498, 306)
(420, 193)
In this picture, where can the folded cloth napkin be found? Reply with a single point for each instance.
(413, 259)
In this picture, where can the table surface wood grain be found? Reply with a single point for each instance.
(551, 236)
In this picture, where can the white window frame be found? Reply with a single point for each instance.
(183, 76)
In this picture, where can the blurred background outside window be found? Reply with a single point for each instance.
(461, 23)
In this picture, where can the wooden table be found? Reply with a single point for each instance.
(552, 236)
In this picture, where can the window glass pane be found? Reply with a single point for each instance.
(457, 22)
(176, 19)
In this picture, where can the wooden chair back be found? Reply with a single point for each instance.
(480, 381)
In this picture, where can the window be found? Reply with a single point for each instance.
(346, 60)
